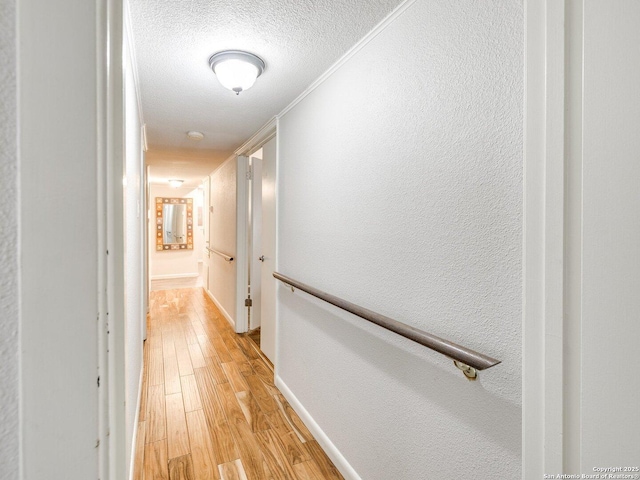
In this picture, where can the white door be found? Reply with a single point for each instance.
(268, 249)
(206, 211)
(255, 243)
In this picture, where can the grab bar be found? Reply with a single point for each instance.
(463, 358)
(226, 257)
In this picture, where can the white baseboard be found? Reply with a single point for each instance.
(134, 437)
(174, 275)
(327, 445)
(221, 308)
(166, 282)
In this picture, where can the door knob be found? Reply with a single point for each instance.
(261, 258)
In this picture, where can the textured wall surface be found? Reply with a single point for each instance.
(400, 189)
(9, 314)
(222, 274)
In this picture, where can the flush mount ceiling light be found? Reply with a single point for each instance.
(176, 183)
(236, 70)
(196, 136)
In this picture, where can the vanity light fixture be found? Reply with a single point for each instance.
(196, 136)
(176, 183)
(236, 70)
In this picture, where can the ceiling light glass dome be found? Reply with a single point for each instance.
(236, 70)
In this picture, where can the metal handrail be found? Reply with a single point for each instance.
(226, 257)
(464, 358)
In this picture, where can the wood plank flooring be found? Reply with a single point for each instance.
(209, 408)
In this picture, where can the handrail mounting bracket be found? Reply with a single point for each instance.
(469, 372)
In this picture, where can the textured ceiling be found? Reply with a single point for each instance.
(297, 39)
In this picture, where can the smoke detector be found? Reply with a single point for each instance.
(195, 136)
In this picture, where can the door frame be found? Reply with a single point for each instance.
(242, 242)
(262, 136)
(110, 117)
(255, 241)
(551, 236)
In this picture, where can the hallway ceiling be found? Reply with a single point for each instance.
(173, 40)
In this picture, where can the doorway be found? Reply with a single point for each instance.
(262, 248)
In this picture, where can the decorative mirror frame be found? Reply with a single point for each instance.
(160, 202)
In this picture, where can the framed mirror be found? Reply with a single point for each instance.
(174, 223)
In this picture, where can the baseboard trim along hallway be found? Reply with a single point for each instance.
(137, 435)
(323, 440)
(225, 314)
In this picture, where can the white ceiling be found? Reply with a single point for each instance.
(173, 40)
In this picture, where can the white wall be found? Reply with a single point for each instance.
(135, 276)
(9, 308)
(175, 264)
(59, 237)
(222, 226)
(400, 189)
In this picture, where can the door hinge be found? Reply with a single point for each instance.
(250, 173)
(248, 302)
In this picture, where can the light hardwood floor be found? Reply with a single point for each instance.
(209, 408)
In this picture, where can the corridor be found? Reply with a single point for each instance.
(209, 407)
